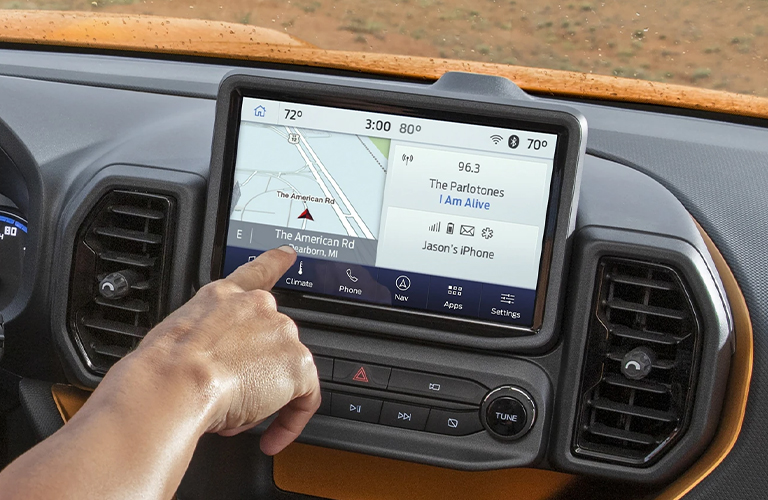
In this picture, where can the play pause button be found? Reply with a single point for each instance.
(405, 416)
(355, 407)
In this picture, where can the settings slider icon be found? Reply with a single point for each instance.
(487, 233)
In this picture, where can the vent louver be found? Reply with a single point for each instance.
(119, 275)
(642, 355)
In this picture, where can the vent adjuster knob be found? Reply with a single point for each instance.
(118, 284)
(638, 362)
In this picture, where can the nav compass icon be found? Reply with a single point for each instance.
(403, 282)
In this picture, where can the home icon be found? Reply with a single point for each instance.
(260, 111)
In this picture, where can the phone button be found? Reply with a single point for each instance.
(356, 282)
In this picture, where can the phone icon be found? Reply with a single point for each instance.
(351, 277)
(449, 230)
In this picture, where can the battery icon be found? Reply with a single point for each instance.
(449, 230)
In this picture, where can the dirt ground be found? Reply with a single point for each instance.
(708, 43)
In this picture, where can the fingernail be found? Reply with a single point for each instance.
(287, 249)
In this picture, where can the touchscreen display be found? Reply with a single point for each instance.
(429, 215)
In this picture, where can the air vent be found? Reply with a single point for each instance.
(119, 275)
(642, 355)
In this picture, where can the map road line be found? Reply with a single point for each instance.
(342, 216)
(350, 207)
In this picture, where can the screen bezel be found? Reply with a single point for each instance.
(341, 312)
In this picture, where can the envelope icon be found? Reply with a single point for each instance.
(467, 230)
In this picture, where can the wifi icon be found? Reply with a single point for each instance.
(496, 138)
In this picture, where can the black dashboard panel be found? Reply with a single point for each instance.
(84, 135)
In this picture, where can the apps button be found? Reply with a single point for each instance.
(507, 304)
(452, 296)
(353, 281)
(406, 289)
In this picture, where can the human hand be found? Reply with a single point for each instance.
(241, 355)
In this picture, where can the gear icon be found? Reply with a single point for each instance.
(487, 233)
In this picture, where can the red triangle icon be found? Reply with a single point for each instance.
(361, 376)
(306, 215)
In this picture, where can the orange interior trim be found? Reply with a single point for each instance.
(342, 475)
(737, 391)
(234, 41)
(68, 399)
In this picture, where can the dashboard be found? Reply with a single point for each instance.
(488, 280)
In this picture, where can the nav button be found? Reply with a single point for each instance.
(406, 289)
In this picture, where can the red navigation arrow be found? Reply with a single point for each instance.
(306, 215)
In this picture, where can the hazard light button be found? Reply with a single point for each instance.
(363, 374)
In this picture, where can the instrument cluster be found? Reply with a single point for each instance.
(13, 241)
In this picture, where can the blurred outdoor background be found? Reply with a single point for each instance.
(707, 43)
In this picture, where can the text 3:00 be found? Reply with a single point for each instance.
(378, 125)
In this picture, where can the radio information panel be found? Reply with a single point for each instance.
(408, 212)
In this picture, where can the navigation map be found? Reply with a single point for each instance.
(310, 180)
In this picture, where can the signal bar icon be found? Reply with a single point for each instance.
(496, 138)
(435, 228)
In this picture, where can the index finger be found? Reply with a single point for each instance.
(263, 272)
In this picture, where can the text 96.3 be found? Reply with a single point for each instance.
(469, 167)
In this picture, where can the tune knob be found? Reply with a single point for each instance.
(508, 412)
(117, 285)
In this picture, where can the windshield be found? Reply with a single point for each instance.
(706, 43)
